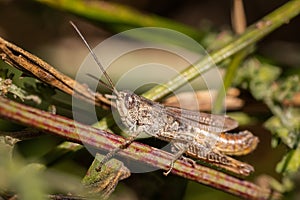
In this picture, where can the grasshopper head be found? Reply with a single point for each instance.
(127, 104)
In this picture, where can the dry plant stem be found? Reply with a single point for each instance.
(238, 17)
(32, 65)
(81, 133)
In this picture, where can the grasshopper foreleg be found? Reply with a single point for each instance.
(112, 153)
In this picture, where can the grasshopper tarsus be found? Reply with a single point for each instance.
(170, 169)
(176, 157)
(186, 159)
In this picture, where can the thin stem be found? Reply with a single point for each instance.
(77, 132)
(229, 76)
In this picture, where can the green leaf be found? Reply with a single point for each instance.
(290, 163)
(279, 130)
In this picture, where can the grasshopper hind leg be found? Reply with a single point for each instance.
(223, 161)
(205, 153)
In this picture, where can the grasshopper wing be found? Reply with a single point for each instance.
(201, 120)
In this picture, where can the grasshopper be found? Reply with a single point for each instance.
(199, 135)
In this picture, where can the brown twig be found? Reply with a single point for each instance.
(32, 65)
(81, 133)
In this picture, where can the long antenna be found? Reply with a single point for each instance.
(101, 82)
(95, 58)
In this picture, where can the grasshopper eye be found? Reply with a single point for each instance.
(129, 101)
